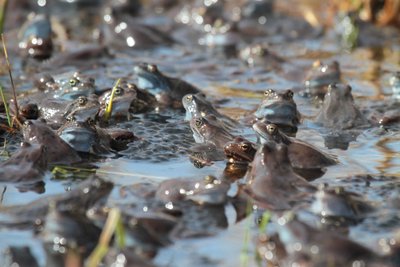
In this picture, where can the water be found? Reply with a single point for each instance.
(160, 156)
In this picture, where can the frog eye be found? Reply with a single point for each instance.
(269, 92)
(289, 94)
(119, 91)
(73, 82)
(82, 100)
(245, 146)
(152, 68)
(271, 128)
(189, 98)
(198, 122)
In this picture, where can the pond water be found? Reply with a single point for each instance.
(238, 89)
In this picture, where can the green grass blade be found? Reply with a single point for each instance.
(3, 9)
(107, 113)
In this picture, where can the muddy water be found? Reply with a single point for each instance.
(161, 153)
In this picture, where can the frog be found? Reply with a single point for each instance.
(279, 108)
(27, 165)
(320, 76)
(196, 105)
(260, 55)
(167, 90)
(121, 30)
(240, 151)
(336, 202)
(83, 108)
(338, 111)
(300, 242)
(272, 182)
(208, 130)
(127, 98)
(35, 37)
(306, 159)
(75, 86)
(57, 150)
(85, 137)
(79, 199)
(208, 190)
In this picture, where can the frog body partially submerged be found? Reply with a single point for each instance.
(320, 76)
(280, 109)
(196, 105)
(58, 151)
(303, 157)
(338, 110)
(168, 91)
(27, 165)
(272, 181)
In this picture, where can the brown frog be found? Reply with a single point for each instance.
(304, 244)
(208, 130)
(196, 105)
(85, 137)
(58, 151)
(338, 110)
(127, 98)
(305, 159)
(280, 109)
(28, 164)
(167, 90)
(240, 150)
(320, 76)
(272, 183)
(208, 190)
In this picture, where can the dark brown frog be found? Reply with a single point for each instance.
(27, 165)
(58, 151)
(306, 160)
(240, 150)
(272, 183)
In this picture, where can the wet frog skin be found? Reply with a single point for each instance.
(58, 151)
(208, 190)
(167, 90)
(36, 38)
(301, 154)
(196, 105)
(280, 109)
(320, 76)
(27, 165)
(79, 199)
(206, 130)
(338, 110)
(272, 181)
(85, 137)
(240, 150)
